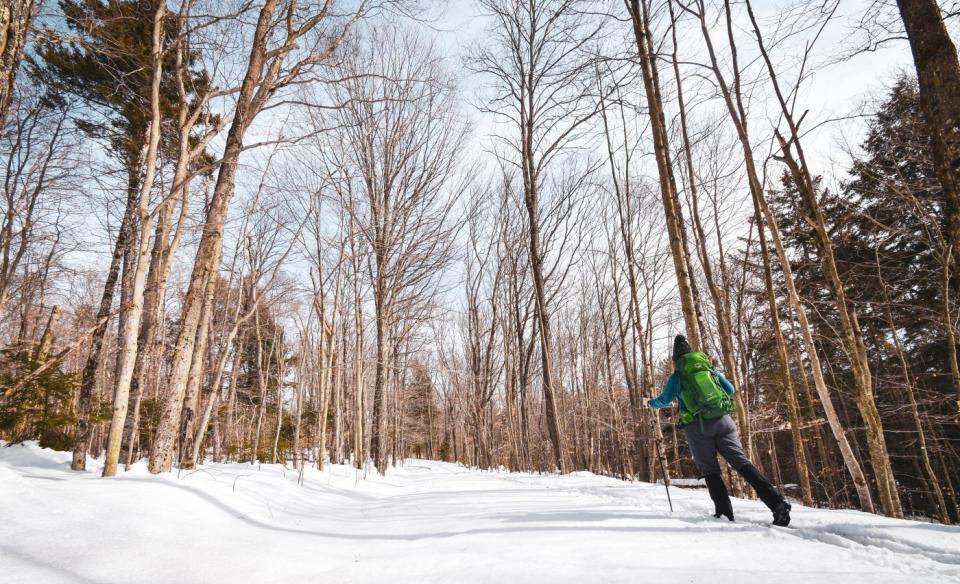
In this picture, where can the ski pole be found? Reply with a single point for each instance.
(658, 442)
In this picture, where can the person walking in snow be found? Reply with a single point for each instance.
(705, 397)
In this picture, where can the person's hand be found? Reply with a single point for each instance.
(645, 401)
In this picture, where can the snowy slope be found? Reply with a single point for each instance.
(425, 522)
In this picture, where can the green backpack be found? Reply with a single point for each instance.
(701, 394)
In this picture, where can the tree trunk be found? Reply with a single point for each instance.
(378, 424)
(213, 391)
(849, 457)
(191, 403)
(131, 313)
(88, 378)
(263, 378)
(734, 102)
(359, 456)
(850, 326)
(938, 73)
(276, 456)
(326, 378)
(668, 185)
(161, 260)
(230, 442)
(336, 438)
(933, 482)
(46, 339)
(15, 19)
(530, 196)
(720, 300)
(793, 407)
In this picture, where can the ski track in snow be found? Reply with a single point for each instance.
(425, 522)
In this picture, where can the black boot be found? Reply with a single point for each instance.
(721, 499)
(768, 494)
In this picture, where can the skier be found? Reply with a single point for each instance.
(705, 403)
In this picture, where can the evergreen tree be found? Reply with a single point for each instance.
(889, 228)
(43, 408)
(109, 67)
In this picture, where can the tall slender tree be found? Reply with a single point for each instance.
(542, 73)
(638, 10)
(402, 136)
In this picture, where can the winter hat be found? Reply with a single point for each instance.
(681, 347)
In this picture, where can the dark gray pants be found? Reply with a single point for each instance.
(718, 435)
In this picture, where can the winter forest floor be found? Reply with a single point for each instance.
(425, 522)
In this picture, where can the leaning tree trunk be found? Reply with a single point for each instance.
(938, 73)
(853, 339)
(530, 172)
(826, 401)
(668, 186)
(734, 102)
(850, 326)
(793, 407)
(543, 317)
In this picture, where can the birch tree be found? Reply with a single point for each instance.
(638, 11)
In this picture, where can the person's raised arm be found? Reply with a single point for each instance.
(671, 391)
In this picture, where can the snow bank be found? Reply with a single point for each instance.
(425, 522)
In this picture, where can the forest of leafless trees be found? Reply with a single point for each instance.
(319, 231)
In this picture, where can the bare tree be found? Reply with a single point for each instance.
(542, 71)
(403, 133)
(638, 11)
(792, 155)
(732, 95)
(37, 170)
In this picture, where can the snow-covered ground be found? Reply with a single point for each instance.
(425, 522)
